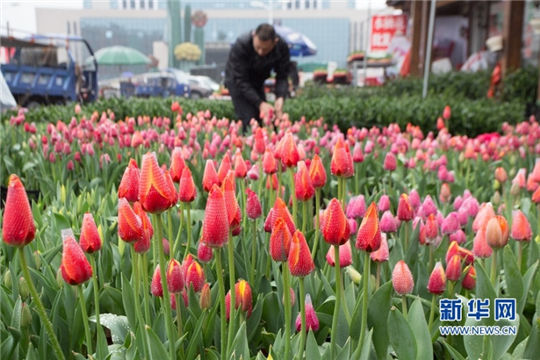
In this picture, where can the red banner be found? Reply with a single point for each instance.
(383, 28)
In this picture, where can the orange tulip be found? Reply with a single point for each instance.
(500, 175)
(289, 154)
(368, 237)
(129, 185)
(453, 268)
(300, 261)
(280, 210)
(497, 232)
(143, 244)
(303, 186)
(210, 176)
(18, 227)
(335, 227)
(269, 163)
(215, 231)
(342, 162)
(317, 172)
(195, 276)
(156, 189)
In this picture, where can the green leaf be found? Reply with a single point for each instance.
(345, 353)
(378, 306)
(456, 355)
(501, 344)
(157, 349)
(527, 280)
(512, 275)
(401, 336)
(418, 323)
(484, 288)
(117, 324)
(240, 344)
(312, 348)
(128, 299)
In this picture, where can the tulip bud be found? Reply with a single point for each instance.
(521, 228)
(204, 252)
(312, 322)
(205, 301)
(292, 297)
(74, 266)
(497, 232)
(469, 280)
(155, 287)
(7, 279)
(515, 189)
(496, 199)
(402, 279)
(300, 260)
(355, 276)
(243, 296)
(253, 205)
(59, 279)
(175, 278)
(24, 291)
(195, 276)
(26, 316)
(405, 211)
(18, 227)
(345, 255)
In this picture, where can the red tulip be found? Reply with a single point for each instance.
(224, 168)
(345, 255)
(240, 167)
(317, 172)
(536, 196)
(469, 280)
(18, 227)
(130, 227)
(75, 267)
(405, 211)
(156, 189)
(279, 210)
(195, 276)
(342, 162)
(129, 185)
(289, 154)
(243, 296)
(368, 237)
(143, 244)
(175, 278)
(269, 163)
(303, 186)
(390, 162)
(446, 112)
(402, 279)
(90, 240)
(300, 261)
(259, 145)
(233, 210)
(253, 205)
(155, 287)
(437, 280)
(280, 241)
(312, 322)
(521, 228)
(210, 176)
(186, 190)
(335, 228)
(177, 164)
(215, 231)
(204, 252)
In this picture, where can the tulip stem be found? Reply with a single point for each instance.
(169, 230)
(254, 244)
(430, 264)
(494, 269)
(166, 300)
(96, 289)
(302, 301)
(287, 307)
(432, 312)
(243, 188)
(520, 255)
(221, 304)
(172, 253)
(293, 193)
(317, 230)
(404, 305)
(188, 228)
(333, 335)
(232, 281)
(179, 313)
(41, 309)
(365, 289)
(85, 321)
(378, 278)
(304, 215)
(136, 280)
(144, 266)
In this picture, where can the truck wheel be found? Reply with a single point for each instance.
(195, 95)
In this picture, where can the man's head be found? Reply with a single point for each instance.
(264, 39)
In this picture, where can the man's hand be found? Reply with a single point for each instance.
(279, 107)
(266, 110)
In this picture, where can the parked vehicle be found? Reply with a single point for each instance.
(201, 86)
(53, 69)
(162, 84)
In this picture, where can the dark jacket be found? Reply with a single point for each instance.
(246, 71)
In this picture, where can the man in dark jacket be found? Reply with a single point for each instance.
(251, 59)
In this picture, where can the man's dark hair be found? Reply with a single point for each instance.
(265, 32)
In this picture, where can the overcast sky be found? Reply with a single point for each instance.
(21, 14)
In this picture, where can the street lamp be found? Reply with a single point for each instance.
(262, 5)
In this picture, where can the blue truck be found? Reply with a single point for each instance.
(50, 69)
(160, 84)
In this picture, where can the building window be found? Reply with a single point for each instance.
(306, 4)
(124, 4)
(132, 4)
(150, 4)
(289, 5)
(141, 4)
(297, 4)
(315, 4)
